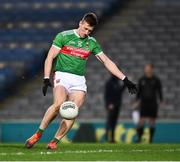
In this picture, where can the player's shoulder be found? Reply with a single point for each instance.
(92, 39)
(66, 32)
(156, 78)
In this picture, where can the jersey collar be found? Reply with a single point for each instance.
(74, 30)
(76, 33)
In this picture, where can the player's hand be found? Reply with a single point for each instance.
(46, 84)
(132, 88)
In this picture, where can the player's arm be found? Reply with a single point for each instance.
(111, 67)
(53, 51)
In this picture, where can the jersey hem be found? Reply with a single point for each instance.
(99, 53)
(56, 46)
(69, 72)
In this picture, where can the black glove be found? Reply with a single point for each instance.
(132, 88)
(46, 84)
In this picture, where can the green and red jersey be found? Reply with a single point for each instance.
(74, 52)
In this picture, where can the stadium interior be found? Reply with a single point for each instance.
(131, 32)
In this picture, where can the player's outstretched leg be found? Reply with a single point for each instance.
(65, 126)
(50, 114)
(78, 98)
(34, 138)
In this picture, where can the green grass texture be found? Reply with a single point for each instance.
(91, 152)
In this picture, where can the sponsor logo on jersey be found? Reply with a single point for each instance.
(71, 42)
(77, 52)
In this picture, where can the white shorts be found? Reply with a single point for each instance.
(70, 81)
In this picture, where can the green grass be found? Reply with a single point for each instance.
(92, 152)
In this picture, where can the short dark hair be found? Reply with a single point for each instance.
(90, 18)
(150, 64)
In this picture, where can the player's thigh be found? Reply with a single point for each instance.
(60, 95)
(78, 97)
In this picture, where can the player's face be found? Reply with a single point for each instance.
(148, 70)
(84, 29)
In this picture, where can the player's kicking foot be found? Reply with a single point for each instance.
(52, 145)
(32, 140)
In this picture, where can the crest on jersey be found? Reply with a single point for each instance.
(87, 45)
(79, 44)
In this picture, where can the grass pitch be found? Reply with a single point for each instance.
(92, 152)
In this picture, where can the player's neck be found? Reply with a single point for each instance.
(77, 32)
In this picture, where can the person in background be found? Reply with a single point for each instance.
(113, 99)
(149, 94)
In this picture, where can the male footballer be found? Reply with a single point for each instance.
(70, 51)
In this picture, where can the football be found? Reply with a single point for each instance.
(68, 110)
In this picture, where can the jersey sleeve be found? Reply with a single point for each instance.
(96, 48)
(58, 41)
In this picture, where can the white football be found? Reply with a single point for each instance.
(68, 110)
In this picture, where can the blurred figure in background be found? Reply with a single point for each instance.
(150, 91)
(113, 99)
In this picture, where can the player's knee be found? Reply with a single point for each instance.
(68, 123)
(57, 105)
